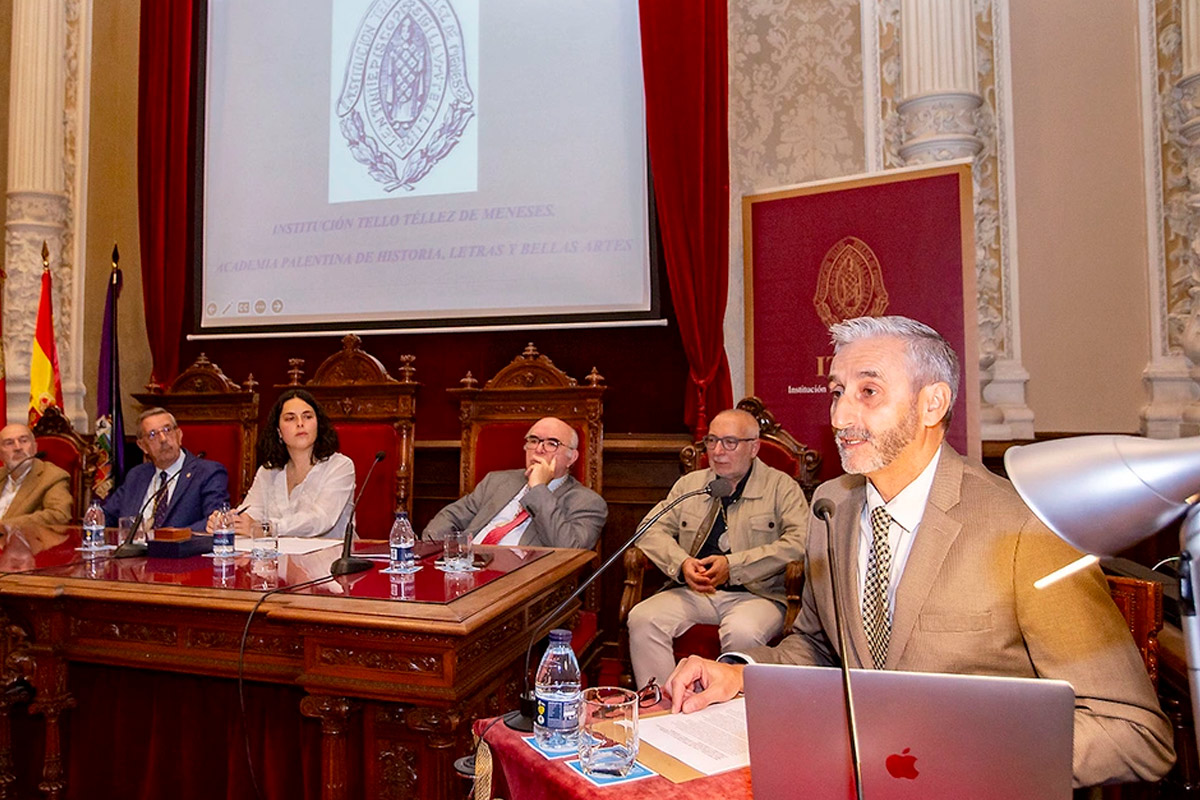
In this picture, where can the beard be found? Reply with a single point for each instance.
(882, 448)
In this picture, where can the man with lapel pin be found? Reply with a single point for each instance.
(539, 506)
(176, 488)
(31, 490)
(936, 560)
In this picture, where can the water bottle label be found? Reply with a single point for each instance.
(401, 553)
(558, 715)
(222, 538)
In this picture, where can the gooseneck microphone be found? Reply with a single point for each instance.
(348, 564)
(521, 719)
(823, 510)
(129, 548)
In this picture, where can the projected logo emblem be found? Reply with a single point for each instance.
(406, 99)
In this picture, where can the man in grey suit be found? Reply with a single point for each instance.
(936, 559)
(541, 505)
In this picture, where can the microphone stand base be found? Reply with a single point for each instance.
(131, 550)
(349, 565)
(521, 719)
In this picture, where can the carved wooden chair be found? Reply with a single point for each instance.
(70, 450)
(218, 418)
(372, 412)
(778, 449)
(1141, 604)
(495, 419)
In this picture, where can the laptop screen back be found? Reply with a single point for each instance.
(921, 735)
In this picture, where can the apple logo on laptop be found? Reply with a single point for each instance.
(902, 765)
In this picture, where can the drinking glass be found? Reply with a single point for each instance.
(123, 526)
(264, 540)
(608, 741)
(459, 553)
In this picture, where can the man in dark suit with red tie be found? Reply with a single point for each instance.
(175, 488)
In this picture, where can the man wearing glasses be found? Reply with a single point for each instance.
(726, 557)
(174, 489)
(539, 506)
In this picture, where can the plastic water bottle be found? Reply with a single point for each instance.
(401, 542)
(223, 532)
(93, 526)
(558, 696)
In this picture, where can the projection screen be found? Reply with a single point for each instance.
(370, 164)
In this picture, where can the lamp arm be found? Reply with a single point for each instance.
(1189, 580)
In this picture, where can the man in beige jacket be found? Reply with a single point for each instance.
(726, 557)
(31, 490)
(937, 557)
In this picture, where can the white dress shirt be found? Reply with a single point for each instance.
(318, 506)
(906, 508)
(509, 513)
(156, 484)
(12, 484)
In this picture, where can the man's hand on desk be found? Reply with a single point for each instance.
(717, 683)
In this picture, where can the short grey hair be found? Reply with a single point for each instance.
(154, 411)
(931, 359)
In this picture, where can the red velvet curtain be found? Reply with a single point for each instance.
(164, 196)
(684, 57)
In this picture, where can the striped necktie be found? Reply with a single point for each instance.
(160, 501)
(875, 602)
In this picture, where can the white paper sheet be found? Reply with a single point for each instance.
(712, 740)
(290, 545)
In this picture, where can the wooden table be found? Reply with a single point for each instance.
(393, 684)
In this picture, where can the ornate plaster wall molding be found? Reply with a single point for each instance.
(944, 93)
(46, 174)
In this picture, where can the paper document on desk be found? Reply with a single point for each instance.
(290, 545)
(710, 741)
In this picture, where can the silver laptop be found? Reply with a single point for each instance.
(921, 735)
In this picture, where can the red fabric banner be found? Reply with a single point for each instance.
(897, 243)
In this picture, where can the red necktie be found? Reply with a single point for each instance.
(496, 534)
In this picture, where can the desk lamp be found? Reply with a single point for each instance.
(1103, 494)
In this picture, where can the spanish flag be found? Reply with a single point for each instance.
(45, 380)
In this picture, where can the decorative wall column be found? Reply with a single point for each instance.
(1170, 65)
(944, 93)
(46, 125)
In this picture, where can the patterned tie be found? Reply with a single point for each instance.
(875, 603)
(160, 501)
(496, 534)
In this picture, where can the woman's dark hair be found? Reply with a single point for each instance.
(273, 453)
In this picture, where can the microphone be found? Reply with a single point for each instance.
(823, 509)
(521, 719)
(129, 548)
(26, 460)
(347, 564)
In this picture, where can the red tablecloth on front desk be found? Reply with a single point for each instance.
(521, 773)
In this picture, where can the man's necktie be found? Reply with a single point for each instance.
(496, 534)
(160, 500)
(875, 603)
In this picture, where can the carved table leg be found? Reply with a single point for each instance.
(52, 702)
(334, 713)
(15, 690)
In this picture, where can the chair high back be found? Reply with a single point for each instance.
(777, 448)
(1140, 603)
(496, 417)
(70, 450)
(372, 412)
(218, 418)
